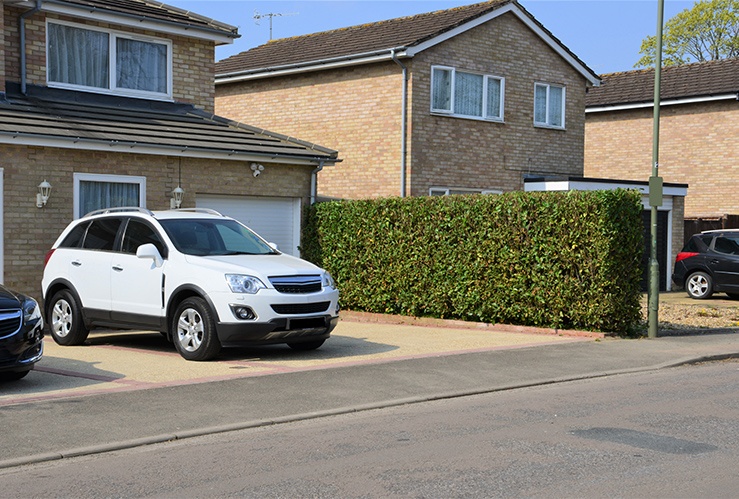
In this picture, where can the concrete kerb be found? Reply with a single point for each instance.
(170, 437)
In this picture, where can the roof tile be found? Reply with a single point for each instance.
(677, 82)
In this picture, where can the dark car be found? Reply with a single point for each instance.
(709, 263)
(21, 334)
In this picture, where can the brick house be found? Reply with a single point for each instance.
(110, 102)
(699, 131)
(467, 100)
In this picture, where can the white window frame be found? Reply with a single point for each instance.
(485, 84)
(106, 178)
(548, 123)
(113, 89)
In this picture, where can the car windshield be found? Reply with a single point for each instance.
(202, 237)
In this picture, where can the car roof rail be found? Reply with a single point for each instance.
(201, 210)
(119, 209)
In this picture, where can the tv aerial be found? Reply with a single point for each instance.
(271, 15)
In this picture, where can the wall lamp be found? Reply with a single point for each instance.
(44, 191)
(176, 200)
(257, 169)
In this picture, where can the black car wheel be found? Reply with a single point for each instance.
(699, 285)
(194, 331)
(65, 319)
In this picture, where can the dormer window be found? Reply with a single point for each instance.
(81, 58)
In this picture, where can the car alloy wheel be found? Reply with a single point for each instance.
(194, 331)
(699, 285)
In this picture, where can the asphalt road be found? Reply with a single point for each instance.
(670, 433)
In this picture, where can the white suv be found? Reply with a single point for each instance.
(202, 279)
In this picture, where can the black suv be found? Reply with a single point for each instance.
(709, 263)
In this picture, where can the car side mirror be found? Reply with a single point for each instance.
(148, 250)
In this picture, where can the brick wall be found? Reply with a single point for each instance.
(698, 146)
(193, 60)
(357, 111)
(464, 153)
(2, 49)
(30, 231)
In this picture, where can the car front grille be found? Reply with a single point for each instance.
(10, 322)
(297, 284)
(301, 308)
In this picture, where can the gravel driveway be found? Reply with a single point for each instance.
(677, 312)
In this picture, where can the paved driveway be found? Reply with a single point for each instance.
(113, 361)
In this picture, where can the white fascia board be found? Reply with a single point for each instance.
(269, 72)
(576, 185)
(140, 23)
(667, 102)
(557, 47)
(133, 148)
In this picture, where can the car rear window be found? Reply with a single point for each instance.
(101, 234)
(727, 244)
(75, 237)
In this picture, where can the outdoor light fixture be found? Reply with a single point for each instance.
(44, 190)
(257, 169)
(176, 200)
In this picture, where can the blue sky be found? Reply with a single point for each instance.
(605, 34)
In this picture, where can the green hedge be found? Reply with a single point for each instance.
(567, 260)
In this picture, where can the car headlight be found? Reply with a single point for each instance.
(244, 283)
(31, 310)
(327, 281)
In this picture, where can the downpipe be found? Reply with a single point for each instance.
(22, 32)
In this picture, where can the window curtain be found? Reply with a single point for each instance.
(141, 65)
(555, 106)
(494, 94)
(468, 94)
(442, 84)
(540, 104)
(78, 56)
(99, 195)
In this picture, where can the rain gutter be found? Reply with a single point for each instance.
(22, 31)
(403, 124)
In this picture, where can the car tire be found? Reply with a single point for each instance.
(699, 285)
(13, 376)
(306, 345)
(65, 319)
(194, 330)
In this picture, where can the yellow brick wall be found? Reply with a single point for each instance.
(467, 153)
(193, 61)
(2, 49)
(357, 111)
(698, 147)
(30, 231)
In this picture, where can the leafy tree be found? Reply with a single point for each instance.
(707, 31)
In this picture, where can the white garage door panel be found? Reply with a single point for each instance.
(275, 219)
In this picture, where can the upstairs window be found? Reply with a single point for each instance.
(90, 59)
(549, 105)
(468, 95)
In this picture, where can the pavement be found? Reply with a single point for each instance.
(123, 390)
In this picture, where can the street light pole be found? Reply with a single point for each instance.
(655, 184)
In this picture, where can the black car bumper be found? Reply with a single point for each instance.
(283, 330)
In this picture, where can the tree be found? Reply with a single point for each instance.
(706, 32)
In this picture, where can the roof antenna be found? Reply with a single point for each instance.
(258, 16)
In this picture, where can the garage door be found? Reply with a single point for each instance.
(275, 219)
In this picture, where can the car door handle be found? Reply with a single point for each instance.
(715, 262)
(117, 268)
(77, 263)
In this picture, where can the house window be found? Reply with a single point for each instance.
(90, 59)
(95, 192)
(468, 95)
(549, 105)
